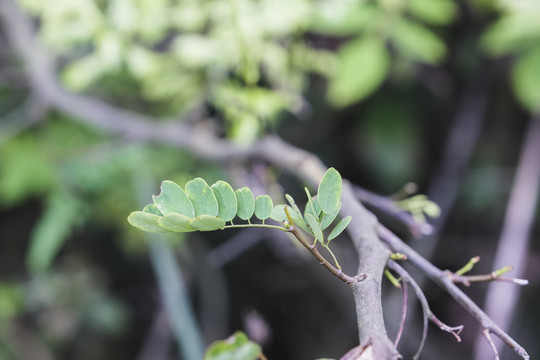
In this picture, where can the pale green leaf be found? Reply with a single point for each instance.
(315, 227)
(278, 214)
(62, 213)
(152, 209)
(203, 198)
(327, 219)
(145, 222)
(339, 227)
(526, 79)
(263, 207)
(236, 347)
(226, 198)
(293, 204)
(418, 42)
(436, 12)
(82, 73)
(207, 223)
(363, 66)
(173, 199)
(312, 205)
(246, 203)
(175, 222)
(329, 195)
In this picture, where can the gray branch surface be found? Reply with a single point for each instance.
(41, 70)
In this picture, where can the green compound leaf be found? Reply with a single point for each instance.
(327, 219)
(207, 223)
(246, 203)
(173, 199)
(175, 222)
(236, 347)
(329, 196)
(263, 207)
(339, 228)
(203, 198)
(152, 209)
(226, 198)
(315, 227)
(145, 222)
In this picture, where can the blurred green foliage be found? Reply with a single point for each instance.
(239, 68)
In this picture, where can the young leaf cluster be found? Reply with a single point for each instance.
(320, 211)
(200, 207)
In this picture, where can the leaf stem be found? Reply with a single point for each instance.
(255, 225)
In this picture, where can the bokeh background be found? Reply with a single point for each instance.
(441, 93)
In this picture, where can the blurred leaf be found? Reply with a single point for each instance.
(363, 67)
(312, 206)
(293, 205)
(526, 79)
(146, 222)
(436, 12)
(202, 197)
(339, 227)
(516, 30)
(25, 170)
(329, 195)
(226, 198)
(246, 203)
(263, 207)
(175, 222)
(327, 219)
(418, 42)
(207, 223)
(82, 73)
(152, 209)
(341, 18)
(236, 347)
(172, 199)
(315, 227)
(62, 213)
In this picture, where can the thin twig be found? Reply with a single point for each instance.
(426, 310)
(439, 276)
(488, 338)
(403, 315)
(312, 248)
(492, 276)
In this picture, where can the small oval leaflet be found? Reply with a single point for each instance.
(145, 222)
(173, 199)
(339, 227)
(327, 219)
(203, 198)
(315, 227)
(246, 203)
(152, 209)
(226, 198)
(207, 223)
(175, 222)
(329, 195)
(263, 207)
